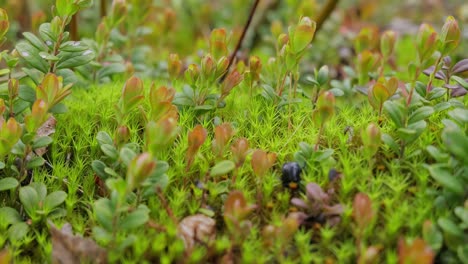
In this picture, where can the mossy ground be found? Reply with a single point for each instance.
(399, 188)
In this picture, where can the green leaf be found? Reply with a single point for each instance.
(31, 56)
(30, 199)
(104, 138)
(442, 106)
(390, 142)
(35, 75)
(99, 168)
(462, 253)
(420, 114)
(438, 155)
(64, 7)
(460, 81)
(110, 151)
(323, 155)
(395, 111)
(35, 162)
(9, 216)
(19, 106)
(74, 59)
(460, 115)
(73, 46)
(59, 108)
(102, 235)
(57, 213)
(48, 56)
(8, 183)
(104, 212)
(433, 236)
(436, 92)
(453, 235)
(222, 168)
(456, 142)
(111, 172)
(35, 41)
(322, 75)
(41, 142)
(126, 155)
(462, 213)
(40, 188)
(18, 231)
(4, 71)
(135, 219)
(54, 199)
(110, 70)
(412, 131)
(27, 93)
(446, 179)
(47, 35)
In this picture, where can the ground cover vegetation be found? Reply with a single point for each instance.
(260, 132)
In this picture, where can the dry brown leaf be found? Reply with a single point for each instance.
(196, 229)
(5, 256)
(70, 249)
(47, 129)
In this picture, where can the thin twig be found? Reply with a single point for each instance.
(326, 11)
(241, 39)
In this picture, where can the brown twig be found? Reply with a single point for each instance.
(165, 204)
(241, 39)
(74, 27)
(103, 8)
(326, 11)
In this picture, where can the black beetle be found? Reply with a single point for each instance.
(291, 174)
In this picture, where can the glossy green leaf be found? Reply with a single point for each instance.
(35, 41)
(18, 231)
(35, 162)
(126, 155)
(8, 183)
(74, 59)
(54, 199)
(30, 199)
(110, 151)
(9, 216)
(104, 138)
(104, 212)
(420, 114)
(446, 179)
(222, 168)
(99, 168)
(135, 219)
(396, 112)
(31, 56)
(41, 142)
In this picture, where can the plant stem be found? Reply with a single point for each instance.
(289, 103)
(326, 11)
(241, 39)
(318, 138)
(281, 88)
(57, 44)
(431, 77)
(410, 96)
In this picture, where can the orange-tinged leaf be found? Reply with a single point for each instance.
(262, 162)
(416, 253)
(362, 210)
(239, 150)
(196, 138)
(380, 93)
(236, 207)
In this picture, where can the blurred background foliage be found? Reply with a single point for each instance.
(154, 29)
